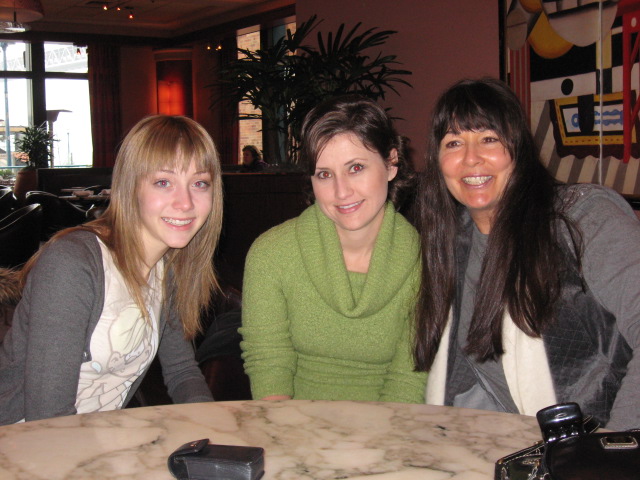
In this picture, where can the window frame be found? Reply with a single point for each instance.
(36, 73)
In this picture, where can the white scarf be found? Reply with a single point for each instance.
(524, 363)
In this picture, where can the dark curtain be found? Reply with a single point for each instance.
(229, 130)
(104, 97)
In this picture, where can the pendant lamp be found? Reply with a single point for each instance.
(15, 14)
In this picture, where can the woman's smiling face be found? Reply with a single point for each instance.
(476, 167)
(173, 206)
(351, 184)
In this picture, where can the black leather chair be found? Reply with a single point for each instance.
(7, 201)
(218, 350)
(20, 235)
(57, 213)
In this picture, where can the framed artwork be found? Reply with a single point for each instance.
(574, 65)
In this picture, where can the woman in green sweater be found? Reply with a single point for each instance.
(329, 296)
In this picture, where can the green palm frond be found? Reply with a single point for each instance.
(289, 78)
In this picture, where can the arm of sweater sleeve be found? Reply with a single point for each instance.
(58, 303)
(611, 266)
(402, 383)
(269, 357)
(182, 376)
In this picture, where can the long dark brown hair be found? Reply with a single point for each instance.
(524, 260)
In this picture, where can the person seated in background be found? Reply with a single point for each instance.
(329, 296)
(99, 300)
(252, 160)
(530, 290)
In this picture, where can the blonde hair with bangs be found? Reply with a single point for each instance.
(164, 142)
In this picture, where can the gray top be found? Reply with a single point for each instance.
(611, 269)
(62, 301)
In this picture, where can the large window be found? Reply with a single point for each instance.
(250, 130)
(45, 83)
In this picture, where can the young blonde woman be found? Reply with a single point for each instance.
(99, 301)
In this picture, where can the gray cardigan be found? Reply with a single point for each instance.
(62, 302)
(589, 347)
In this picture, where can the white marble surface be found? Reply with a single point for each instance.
(303, 440)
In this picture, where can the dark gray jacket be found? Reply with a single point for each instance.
(62, 302)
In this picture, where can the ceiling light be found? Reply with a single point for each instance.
(13, 27)
(22, 11)
(15, 13)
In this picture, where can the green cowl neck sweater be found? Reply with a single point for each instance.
(395, 253)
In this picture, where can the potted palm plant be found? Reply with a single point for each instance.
(287, 79)
(34, 146)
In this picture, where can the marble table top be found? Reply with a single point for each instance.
(303, 440)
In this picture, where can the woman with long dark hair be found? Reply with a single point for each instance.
(530, 289)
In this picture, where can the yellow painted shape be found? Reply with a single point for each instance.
(545, 41)
(531, 6)
(593, 139)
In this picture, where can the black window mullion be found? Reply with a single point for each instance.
(38, 84)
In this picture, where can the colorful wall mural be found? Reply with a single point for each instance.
(574, 64)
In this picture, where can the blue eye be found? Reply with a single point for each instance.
(202, 184)
(162, 183)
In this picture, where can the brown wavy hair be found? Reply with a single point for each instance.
(369, 122)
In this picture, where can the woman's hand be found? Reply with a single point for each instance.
(277, 397)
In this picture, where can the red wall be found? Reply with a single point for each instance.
(439, 41)
(138, 86)
(138, 91)
(204, 66)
